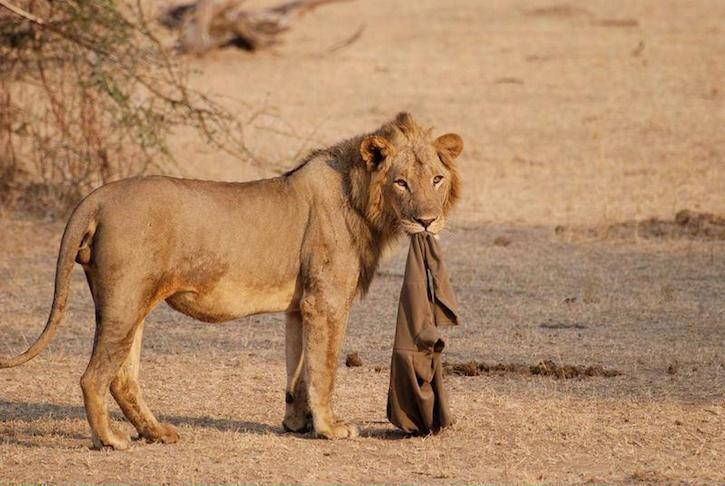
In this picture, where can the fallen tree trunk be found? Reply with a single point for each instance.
(209, 24)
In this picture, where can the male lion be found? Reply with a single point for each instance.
(305, 243)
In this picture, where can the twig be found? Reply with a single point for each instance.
(301, 6)
(19, 11)
(346, 42)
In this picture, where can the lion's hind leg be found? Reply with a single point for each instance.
(127, 393)
(298, 416)
(113, 341)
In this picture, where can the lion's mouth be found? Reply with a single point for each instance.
(413, 227)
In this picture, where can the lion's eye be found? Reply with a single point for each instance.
(437, 179)
(402, 183)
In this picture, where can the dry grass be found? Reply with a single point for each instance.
(651, 310)
(607, 121)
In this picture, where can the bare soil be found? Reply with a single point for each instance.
(584, 117)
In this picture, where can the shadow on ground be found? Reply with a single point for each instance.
(30, 412)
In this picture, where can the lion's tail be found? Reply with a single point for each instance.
(77, 231)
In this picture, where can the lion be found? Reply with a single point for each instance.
(305, 243)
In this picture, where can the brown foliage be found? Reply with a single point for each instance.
(88, 94)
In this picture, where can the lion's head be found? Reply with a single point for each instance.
(413, 179)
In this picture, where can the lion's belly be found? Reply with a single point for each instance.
(226, 302)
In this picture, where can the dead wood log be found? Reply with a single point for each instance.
(209, 24)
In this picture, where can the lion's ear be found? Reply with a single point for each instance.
(450, 144)
(374, 150)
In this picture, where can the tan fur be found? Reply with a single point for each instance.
(305, 243)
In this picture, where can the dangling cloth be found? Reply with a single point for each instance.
(417, 401)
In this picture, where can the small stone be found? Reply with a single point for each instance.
(673, 368)
(353, 360)
(501, 241)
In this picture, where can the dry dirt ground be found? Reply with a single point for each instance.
(578, 119)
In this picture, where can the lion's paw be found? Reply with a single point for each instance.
(169, 434)
(340, 430)
(110, 441)
(165, 433)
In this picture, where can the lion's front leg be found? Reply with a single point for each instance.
(323, 323)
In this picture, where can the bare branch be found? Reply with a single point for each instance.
(346, 42)
(209, 24)
(106, 96)
(19, 11)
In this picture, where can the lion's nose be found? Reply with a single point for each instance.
(425, 222)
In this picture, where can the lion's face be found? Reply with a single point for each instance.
(419, 181)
